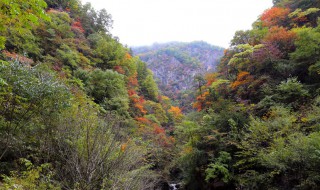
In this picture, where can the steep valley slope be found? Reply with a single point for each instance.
(176, 64)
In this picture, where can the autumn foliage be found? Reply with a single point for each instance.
(127, 56)
(202, 102)
(119, 69)
(17, 57)
(279, 34)
(176, 113)
(281, 37)
(143, 120)
(137, 102)
(77, 26)
(274, 16)
(243, 78)
(133, 81)
(269, 52)
(210, 78)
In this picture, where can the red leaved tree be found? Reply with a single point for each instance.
(275, 16)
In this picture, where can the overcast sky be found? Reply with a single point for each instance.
(144, 22)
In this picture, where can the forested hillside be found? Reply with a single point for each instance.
(258, 120)
(77, 111)
(176, 64)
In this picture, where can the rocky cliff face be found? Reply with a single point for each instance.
(176, 64)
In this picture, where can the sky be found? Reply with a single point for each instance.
(144, 22)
